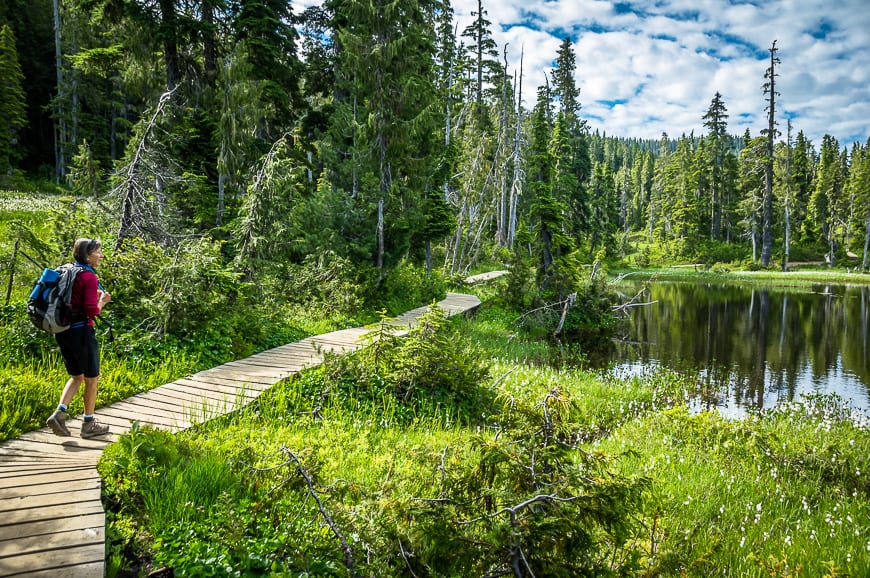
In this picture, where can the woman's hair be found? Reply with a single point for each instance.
(84, 247)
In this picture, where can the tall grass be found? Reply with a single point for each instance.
(30, 387)
(779, 494)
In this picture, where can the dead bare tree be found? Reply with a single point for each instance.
(140, 187)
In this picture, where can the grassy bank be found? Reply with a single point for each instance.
(798, 277)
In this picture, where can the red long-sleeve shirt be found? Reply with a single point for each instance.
(84, 296)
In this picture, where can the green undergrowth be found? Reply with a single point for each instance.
(470, 449)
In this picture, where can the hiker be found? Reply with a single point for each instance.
(78, 344)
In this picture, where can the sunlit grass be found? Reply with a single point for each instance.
(785, 494)
(800, 277)
(27, 202)
(30, 388)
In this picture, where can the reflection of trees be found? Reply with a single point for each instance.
(759, 317)
(757, 340)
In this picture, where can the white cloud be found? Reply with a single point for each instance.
(649, 67)
(655, 68)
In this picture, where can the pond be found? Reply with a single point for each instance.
(752, 347)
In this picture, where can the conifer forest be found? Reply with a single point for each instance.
(379, 131)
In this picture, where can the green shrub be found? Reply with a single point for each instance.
(407, 286)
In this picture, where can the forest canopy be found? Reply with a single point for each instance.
(381, 132)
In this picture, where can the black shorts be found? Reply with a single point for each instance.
(80, 351)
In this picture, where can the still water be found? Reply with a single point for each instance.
(753, 347)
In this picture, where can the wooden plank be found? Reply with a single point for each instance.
(14, 534)
(35, 479)
(276, 360)
(68, 486)
(219, 389)
(56, 551)
(199, 390)
(41, 462)
(117, 425)
(246, 373)
(270, 371)
(11, 519)
(226, 376)
(85, 570)
(304, 353)
(25, 468)
(139, 406)
(134, 414)
(291, 361)
(176, 408)
(197, 406)
(69, 447)
(60, 498)
(227, 388)
(225, 372)
(48, 437)
(300, 348)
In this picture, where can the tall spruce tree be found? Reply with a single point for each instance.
(387, 115)
(860, 181)
(751, 204)
(823, 210)
(545, 213)
(715, 119)
(12, 101)
(483, 53)
(802, 174)
(266, 32)
(573, 163)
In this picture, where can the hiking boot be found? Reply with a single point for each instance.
(57, 423)
(93, 428)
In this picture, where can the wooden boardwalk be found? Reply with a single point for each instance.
(51, 518)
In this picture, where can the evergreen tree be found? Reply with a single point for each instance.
(859, 179)
(12, 101)
(750, 206)
(32, 28)
(264, 28)
(484, 60)
(604, 218)
(802, 169)
(715, 120)
(822, 213)
(386, 123)
(571, 147)
(545, 213)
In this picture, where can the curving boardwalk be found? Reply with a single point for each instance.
(52, 522)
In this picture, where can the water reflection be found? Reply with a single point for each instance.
(754, 347)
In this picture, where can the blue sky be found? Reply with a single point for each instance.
(648, 67)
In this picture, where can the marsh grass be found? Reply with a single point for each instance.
(779, 494)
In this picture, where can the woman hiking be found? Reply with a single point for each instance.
(78, 344)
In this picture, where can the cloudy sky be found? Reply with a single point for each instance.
(650, 66)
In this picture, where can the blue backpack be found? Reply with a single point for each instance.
(49, 303)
